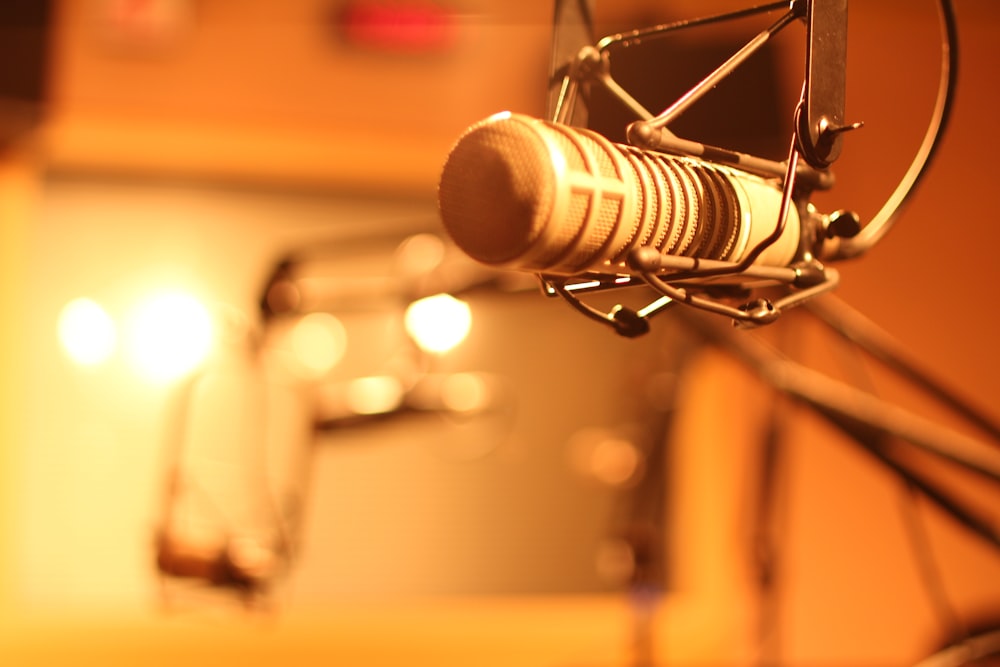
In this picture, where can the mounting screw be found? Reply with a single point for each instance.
(758, 311)
(628, 323)
(843, 224)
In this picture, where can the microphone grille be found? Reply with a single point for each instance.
(505, 195)
(589, 222)
(496, 190)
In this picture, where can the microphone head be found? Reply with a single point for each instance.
(521, 193)
(496, 190)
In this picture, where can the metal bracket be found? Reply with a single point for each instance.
(821, 125)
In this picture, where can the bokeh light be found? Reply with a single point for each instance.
(170, 335)
(438, 323)
(86, 332)
(605, 456)
(465, 392)
(374, 395)
(318, 342)
(420, 254)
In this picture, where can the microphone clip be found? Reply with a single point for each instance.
(801, 281)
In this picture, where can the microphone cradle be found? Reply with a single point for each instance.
(816, 142)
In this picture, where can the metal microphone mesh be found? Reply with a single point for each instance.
(532, 195)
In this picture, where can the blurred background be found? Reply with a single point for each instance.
(240, 421)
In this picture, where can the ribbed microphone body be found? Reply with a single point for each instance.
(521, 193)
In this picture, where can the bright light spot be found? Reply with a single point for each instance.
(374, 395)
(438, 323)
(465, 392)
(86, 332)
(318, 342)
(171, 334)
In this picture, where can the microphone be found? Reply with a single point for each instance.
(521, 193)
